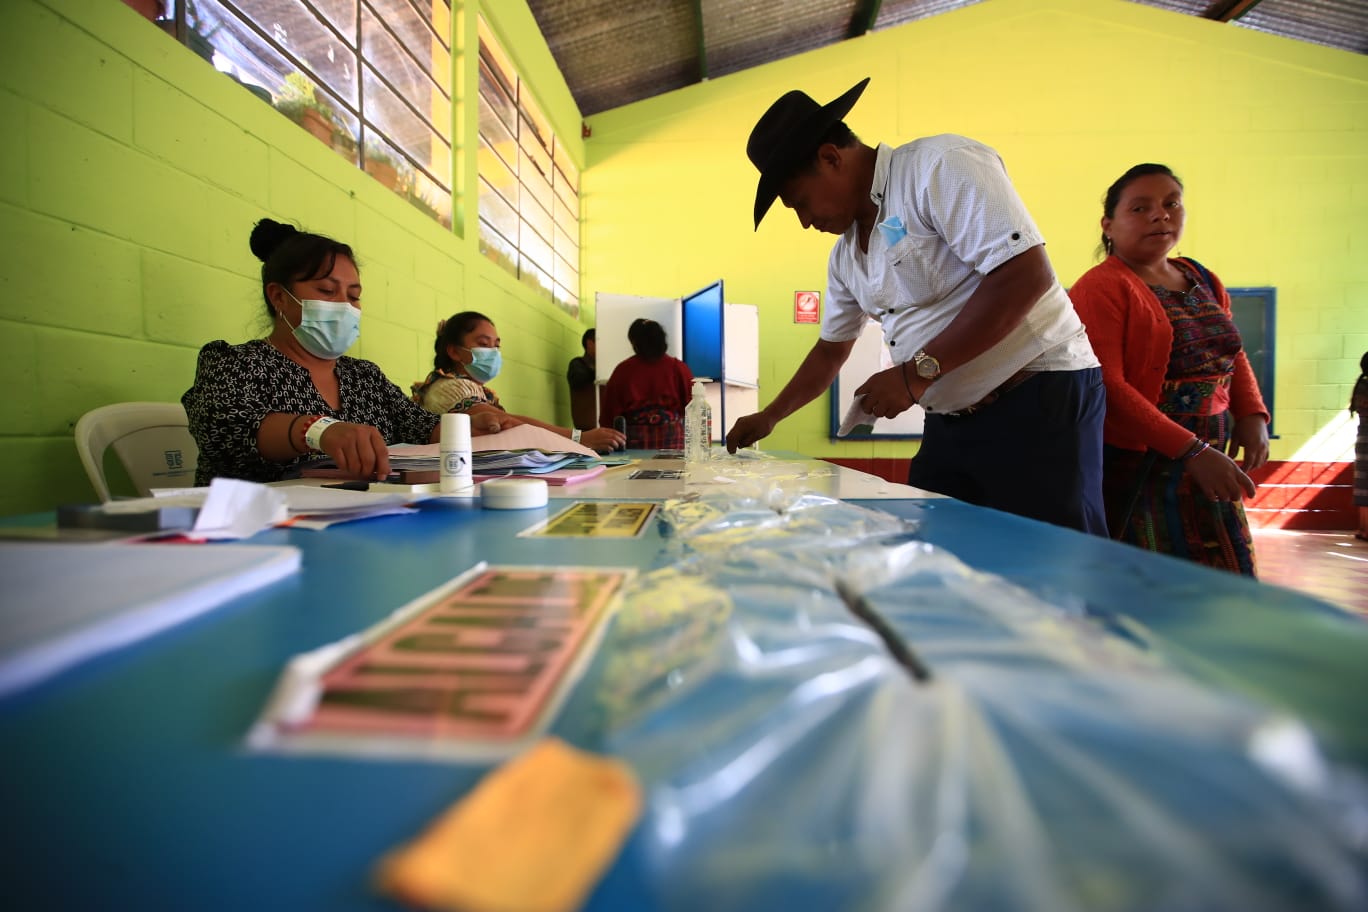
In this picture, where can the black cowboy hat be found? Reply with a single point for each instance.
(789, 132)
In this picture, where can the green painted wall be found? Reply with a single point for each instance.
(133, 173)
(1270, 136)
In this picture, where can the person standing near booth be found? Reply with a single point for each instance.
(1358, 403)
(649, 391)
(935, 244)
(583, 393)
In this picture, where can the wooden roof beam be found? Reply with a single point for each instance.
(863, 20)
(1229, 10)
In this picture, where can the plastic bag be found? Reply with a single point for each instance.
(1047, 764)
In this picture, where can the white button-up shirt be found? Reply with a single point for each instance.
(948, 215)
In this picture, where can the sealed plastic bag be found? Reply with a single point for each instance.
(791, 762)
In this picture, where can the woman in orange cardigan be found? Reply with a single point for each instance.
(1180, 392)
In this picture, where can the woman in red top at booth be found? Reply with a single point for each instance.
(649, 391)
(1182, 400)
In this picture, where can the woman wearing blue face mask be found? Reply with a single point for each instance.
(466, 356)
(260, 409)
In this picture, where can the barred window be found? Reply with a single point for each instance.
(529, 188)
(371, 79)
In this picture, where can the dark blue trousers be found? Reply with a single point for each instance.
(1036, 451)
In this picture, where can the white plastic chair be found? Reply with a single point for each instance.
(151, 439)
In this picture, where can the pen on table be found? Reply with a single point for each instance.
(349, 486)
(901, 652)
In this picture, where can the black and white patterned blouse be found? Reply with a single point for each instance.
(236, 386)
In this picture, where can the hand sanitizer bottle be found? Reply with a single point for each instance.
(698, 425)
(454, 450)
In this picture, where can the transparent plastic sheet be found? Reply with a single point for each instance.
(755, 469)
(1051, 765)
(768, 512)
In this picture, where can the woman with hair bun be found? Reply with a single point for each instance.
(649, 391)
(260, 409)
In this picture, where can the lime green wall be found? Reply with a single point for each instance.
(1270, 136)
(133, 174)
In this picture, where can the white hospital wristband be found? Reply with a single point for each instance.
(313, 434)
(575, 434)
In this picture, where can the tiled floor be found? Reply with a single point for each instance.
(1332, 566)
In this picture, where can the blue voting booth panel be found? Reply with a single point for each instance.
(704, 324)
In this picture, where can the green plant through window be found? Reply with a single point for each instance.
(371, 79)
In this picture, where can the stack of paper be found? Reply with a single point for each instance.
(525, 448)
(567, 476)
(66, 603)
(231, 508)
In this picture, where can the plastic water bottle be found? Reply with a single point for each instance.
(698, 425)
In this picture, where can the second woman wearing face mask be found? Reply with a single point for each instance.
(466, 356)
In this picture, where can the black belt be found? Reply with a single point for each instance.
(1002, 389)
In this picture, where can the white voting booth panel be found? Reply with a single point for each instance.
(615, 313)
(742, 365)
(741, 348)
(869, 356)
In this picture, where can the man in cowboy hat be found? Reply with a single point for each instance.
(935, 244)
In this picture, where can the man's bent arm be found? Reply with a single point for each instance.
(999, 304)
(813, 377)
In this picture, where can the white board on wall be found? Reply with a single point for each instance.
(869, 356)
(614, 313)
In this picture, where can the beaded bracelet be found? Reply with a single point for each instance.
(1193, 450)
(313, 432)
(289, 435)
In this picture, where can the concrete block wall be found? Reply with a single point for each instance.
(1269, 134)
(133, 175)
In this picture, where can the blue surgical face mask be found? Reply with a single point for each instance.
(484, 363)
(327, 328)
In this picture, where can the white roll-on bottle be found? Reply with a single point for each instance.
(454, 450)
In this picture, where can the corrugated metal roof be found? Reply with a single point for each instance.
(614, 53)
(1335, 23)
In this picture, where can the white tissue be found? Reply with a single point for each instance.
(856, 417)
(239, 509)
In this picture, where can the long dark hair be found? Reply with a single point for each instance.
(647, 338)
(290, 255)
(1119, 186)
(452, 331)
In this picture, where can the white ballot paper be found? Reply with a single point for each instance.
(233, 509)
(239, 509)
(856, 417)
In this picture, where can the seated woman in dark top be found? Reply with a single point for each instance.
(259, 409)
(649, 391)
